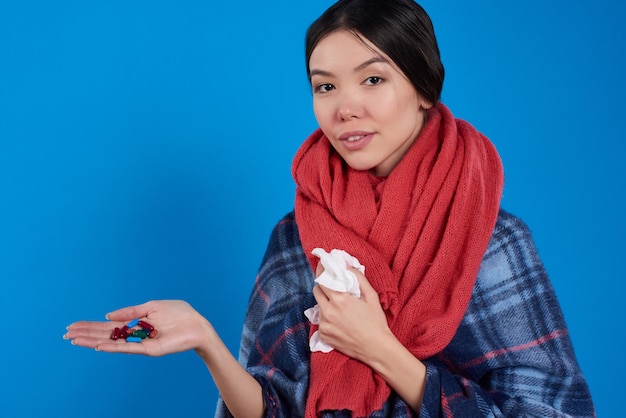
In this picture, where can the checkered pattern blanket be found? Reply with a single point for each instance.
(511, 356)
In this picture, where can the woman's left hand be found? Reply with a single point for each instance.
(352, 325)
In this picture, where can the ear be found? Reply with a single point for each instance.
(424, 104)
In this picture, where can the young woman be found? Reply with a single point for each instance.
(456, 316)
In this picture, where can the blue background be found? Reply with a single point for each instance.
(145, 152)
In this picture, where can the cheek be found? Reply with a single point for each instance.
(399, 112)
(397, 100)
(385, 105)
(322, 113)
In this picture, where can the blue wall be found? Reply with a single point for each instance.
(145, 151)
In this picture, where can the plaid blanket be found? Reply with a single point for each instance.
(511, 356)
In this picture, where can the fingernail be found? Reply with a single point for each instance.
(107, 316)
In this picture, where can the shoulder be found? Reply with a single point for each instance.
(511, 271)
(284, 243)
(511, 244)
(284, 261)
(285, 232)
(509, 227)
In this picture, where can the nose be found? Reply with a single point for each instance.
(349, 106)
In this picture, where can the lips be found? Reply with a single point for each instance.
(354, 141)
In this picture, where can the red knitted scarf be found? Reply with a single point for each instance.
(421, 234)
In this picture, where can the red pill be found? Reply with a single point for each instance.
(153, 333)
(115, 334)
(144, 324)
(125, 332)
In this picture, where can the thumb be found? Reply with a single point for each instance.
(367, 291)
(129, 313)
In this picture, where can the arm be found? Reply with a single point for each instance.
(274, 341)
(180, 328)
(240, 391)
(271, 376)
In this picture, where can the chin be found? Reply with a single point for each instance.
(360, 166)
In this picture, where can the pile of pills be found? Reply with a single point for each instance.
(134, 332)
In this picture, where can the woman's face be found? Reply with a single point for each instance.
(368, 109)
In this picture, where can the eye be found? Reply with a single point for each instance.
(372, 81)
(324, 88)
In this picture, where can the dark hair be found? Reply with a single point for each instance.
(399, 28)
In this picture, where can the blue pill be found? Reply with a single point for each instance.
(133, 323)
(133, 340)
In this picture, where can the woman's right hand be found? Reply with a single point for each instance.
(180, 328)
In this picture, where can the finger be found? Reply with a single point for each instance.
(319, 270)
(130, 312)
(326, 295)
(124, 347)
(89, 342)
(320, 294)
(364, 284)
(91, 333)
(95, 325)
(330, 293)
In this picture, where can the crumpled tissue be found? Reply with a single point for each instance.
(336, 276)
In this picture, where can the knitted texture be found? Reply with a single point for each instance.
(511, 355)
(420, 233)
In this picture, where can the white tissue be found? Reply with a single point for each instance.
(336, 276)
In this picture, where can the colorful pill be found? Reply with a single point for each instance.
(133, 323)
(153, 333)
(139, 333)
(115, 334)
(125, 332)
(144, 324)
(133, 340)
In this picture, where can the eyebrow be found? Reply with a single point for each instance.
(359, 67)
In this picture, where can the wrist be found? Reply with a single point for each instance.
(402, 371)
(208, 343)
(382, 353)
